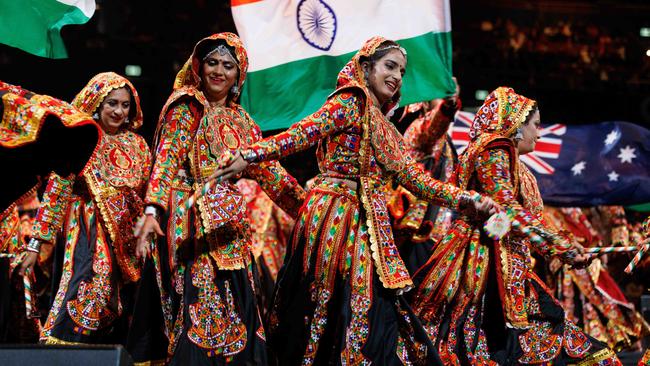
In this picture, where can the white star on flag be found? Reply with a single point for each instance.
(612, 137)
(627, 154)
(579, 167)
(613, 176)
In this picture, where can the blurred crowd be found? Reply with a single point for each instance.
(580, 51)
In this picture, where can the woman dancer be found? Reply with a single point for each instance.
(271, 228)
(32, 127)
(590, 297)
(479, 300)
(337, 298)
(416, 222)
(208, 248)
(99, 215)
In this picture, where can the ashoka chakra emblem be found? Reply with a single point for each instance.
(317, 23)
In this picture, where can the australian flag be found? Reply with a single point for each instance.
(584, 165)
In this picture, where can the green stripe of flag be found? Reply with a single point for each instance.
(643, 207)
(34, 26)
(279, 96)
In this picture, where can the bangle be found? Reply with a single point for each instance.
(570, 254)
(151, 210)
(467, 197)
(249, 155)
(34, 245)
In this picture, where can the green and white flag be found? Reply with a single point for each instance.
(297, 47)
(35, 26)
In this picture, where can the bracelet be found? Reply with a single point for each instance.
(467, 197)
(151, 210)
(34, 245)
(249, 155)
(570, 254)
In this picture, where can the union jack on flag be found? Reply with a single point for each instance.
(547, 147)
(606, 163)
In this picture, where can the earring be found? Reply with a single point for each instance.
(365, 75)
(96, 116)
(127, 121)
(234, 89)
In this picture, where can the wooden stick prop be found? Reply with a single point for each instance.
(637, 258)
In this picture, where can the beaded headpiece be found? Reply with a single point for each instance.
(93, 94)
(393, 47)
(503, 112)
(188, 76)
(222, 50)
(352, 73)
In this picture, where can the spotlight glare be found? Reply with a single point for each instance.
(480, 94)
(645, 32)
(133, 70)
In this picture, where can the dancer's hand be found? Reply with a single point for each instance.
(577, 258)
(487, 206)
(454, 100)
(144, 234)
(555, 265)
(483, 208)
(236, 166)
(28, 263)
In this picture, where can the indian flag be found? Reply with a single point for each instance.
(297, 47)
(34, 26)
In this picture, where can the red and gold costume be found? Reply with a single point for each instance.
(32, 129)
(337, 294)
(208, 248)
(419, 224)
(15, 230)
(12, 233)
(645, 234)
(479, 300)
(97, 212)
(603, 311)
(31, 132)
(271, 228)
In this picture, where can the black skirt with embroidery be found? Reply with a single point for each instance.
(329, 307)
(218, 321)
(91, 300)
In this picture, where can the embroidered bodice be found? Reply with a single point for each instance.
(337, 127)
(194, 140)
(520, 196)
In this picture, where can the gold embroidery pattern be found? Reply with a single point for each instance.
(216, 326)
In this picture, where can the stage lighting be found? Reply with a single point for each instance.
(133, 70)
(645, 32)
(480, 94)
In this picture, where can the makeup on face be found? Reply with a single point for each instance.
(114, 110)
(218, 75)
(385, 76)
(530, 133)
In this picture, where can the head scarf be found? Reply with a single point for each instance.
(188, 76)
(352, 73)
(502, 113)
(93, 94)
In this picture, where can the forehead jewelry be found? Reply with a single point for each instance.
(222, 51)
(393, 47)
